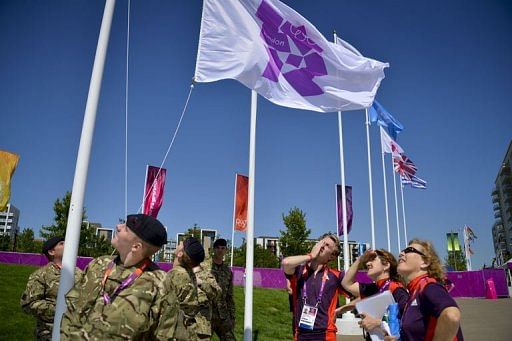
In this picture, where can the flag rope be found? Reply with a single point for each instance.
(170, 144)
(126, 112)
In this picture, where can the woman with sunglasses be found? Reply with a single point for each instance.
(430, 313)
(382, 269)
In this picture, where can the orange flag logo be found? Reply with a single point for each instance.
(241, 199)
(8, 163)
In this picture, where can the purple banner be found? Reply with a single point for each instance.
(154, 190)
(466, 283)
(339, 208)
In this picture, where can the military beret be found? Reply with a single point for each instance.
(50, 244)
(220, 242)
(147, 228)
(194, 249)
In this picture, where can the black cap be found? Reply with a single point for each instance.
(50, 244)
(220, 242)
(194, 249)
(147, 228)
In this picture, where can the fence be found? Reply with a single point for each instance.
(467, 283)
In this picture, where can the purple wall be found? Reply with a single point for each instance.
(467, 283)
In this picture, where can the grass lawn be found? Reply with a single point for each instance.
(271, 317)
(15, 324)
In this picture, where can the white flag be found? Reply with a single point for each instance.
(272, 49)
(389, 145)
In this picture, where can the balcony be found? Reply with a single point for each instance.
(496, 207)
(495, 199)
(495, 191)
(497, 215)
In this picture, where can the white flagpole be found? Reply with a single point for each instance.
(82, 165)
(249, 257)
(145, 184)
(406, 241)
(234, 221)
(343, 194)
(396, 207)
(370, 178)
(385, 195)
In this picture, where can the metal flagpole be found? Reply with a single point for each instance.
(406, 241)
(82, 166)
(343, 194)
(370, 178)
(385, 196)
(249, 257)
(234, 221)
(396, 208)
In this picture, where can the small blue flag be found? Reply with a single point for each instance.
(383, 118)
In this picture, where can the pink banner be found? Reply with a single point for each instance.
(339, 208)
(154, 190)
(241, 200)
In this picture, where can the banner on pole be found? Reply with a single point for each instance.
(154, 190)
(8, 163)
(241, 201)
(339, 208)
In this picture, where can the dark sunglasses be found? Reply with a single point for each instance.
(410, 249)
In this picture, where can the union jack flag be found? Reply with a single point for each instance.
(404, 166)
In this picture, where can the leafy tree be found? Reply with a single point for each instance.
(5, 242)
(263, 258)
(26, 243)
(293, 240)
(91, 245)
(194, 231)
(455, 261)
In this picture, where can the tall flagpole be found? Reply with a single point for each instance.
(385, 195)
(233, 227)
(249, 257)
(82, 165)
(396, 208)
(343, 194)
(406, 241)
(370, 177)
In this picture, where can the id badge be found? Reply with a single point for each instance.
(308, 317)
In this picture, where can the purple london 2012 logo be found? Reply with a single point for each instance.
(291, 52)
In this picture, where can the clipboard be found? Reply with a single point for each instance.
(375, 305)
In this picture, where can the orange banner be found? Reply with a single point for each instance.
(8, 163)
(241, 199)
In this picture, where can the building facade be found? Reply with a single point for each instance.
(502, 207)
(9, 221)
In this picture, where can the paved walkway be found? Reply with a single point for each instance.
(488, 320)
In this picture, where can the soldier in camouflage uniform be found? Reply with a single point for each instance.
(40, 295)
(123, 297)
(195, 288)
(223, 321)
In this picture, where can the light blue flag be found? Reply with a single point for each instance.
(385, 119)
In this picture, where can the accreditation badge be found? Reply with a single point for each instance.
(308, 317)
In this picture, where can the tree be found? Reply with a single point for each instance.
(455, 261)
(263, 258)
(294, 240)
(91, 245)
(5, 242)
(26, 242)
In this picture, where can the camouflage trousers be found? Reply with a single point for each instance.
(224, 329)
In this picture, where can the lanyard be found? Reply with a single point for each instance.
(325, 277)
(125, 283)
(385, 286)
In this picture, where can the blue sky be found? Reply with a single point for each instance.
(449, 83)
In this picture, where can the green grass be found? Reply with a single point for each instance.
(15, 324)
(271, 316)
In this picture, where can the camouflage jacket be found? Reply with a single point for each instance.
(134, 314)
(40, 296)
(195, 293)
(224, 307)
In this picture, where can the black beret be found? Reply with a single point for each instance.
(220, 242)
(50, 244)
(194, 249)
(147, 228)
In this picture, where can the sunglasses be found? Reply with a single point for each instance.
(410, 249)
